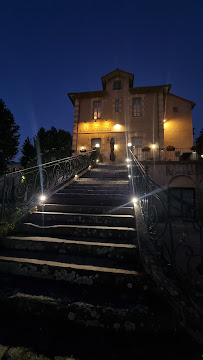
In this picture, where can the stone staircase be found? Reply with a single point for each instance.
(75, 260)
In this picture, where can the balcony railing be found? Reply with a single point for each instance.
(165, 154)
(20, 190)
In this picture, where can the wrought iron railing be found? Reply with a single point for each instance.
(20, 190)
(165, 154)
(178, 241)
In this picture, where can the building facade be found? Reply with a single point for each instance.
(156, 122)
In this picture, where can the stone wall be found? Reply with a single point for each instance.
(179, 174)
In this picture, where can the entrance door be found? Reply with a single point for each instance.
(96, 143)
(137, 147)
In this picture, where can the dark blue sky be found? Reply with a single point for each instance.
(50, 48)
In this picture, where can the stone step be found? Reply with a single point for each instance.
(101, 182)
(59, 218)
(121, 234)
(85, 209)
(82, 182)
(66, 258)
(97, 191)
(42, 300)
(62, 198)
(74, 271)
(122, 253)
(92, 195)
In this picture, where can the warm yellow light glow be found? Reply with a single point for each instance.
(134, 200)
(115, 146)
(76, 176)
(128, 160)
(89, 166)
(117, 126)
(42, 197)
(97, 160)
(82, 148)
(164, 120)
(165, 124)
(153, 146)
(202, 156)
(97, 145)
(129, 144)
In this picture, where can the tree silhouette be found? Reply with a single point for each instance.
(9, 136)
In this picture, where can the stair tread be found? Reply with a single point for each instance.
(83, 214)
(72, 241)
(81, 227)
(76, 263)
(44, 289)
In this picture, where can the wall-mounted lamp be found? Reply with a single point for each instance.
(153, 146)
(97, 146)
(117, 126)
(129, 144)
(115, 146)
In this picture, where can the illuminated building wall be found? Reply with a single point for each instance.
(130, 114)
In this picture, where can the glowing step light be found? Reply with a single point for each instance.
(42, 198)
(134, 200)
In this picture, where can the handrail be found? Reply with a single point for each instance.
(47, 163)
(172, 237)
(19, 190)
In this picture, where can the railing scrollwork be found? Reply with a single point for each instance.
(20, 190)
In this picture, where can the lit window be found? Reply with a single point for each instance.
(137, 107)
(175, 109)
(97, 110)
(116, 105)
(117, 85)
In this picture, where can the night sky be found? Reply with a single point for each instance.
(50, 48)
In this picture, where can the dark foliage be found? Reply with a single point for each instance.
(9, 136)
(53, 143)
(28, 153)
(199, 143)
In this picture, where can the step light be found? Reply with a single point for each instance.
(134, 200)
(76, 176)
(42, 198)
(97, 160)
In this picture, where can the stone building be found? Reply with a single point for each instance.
(156, 122)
